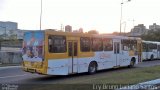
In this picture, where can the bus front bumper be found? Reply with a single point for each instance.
(34, 70)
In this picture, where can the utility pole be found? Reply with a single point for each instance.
(121, 17)
(41, 16)
(61, 28)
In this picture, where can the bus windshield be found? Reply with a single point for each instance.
(33, 46)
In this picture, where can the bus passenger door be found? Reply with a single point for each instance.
(147, 51)
(117, 53)
(72, 54)
(139, 52)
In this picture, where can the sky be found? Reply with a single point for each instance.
(100, 15)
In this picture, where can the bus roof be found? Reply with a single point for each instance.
(84, 34)
(154, 42)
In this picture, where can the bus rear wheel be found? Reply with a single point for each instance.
(152, 57)
(92, 68)
(132, 63)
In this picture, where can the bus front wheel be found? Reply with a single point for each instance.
(92, 68)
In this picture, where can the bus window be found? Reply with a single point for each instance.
(97, 44)
(116, 48)
(144, 46)
(75, 49)
(133, 45)
(70, 49)
(50, 44)
(158, 47)
(129, 45)
(152, 46)
(85, 44)
(57, 44)
(108, 44)
(125, 45)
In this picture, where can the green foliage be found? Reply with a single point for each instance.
(151, 36)
(13, 37)
(130, 76)
(93, 32)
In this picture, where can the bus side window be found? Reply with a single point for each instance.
(70, 49)
(50, 44)
(85, 43)
(97, 44)
(75, 48)
(125, 44)
(118, 48)
(57, 44)
(158, 47)
(107, 44)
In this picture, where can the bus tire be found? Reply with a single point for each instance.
(92, 67)
(132, 63)
(152, 57)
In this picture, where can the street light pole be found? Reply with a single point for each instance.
(122, 14)
(41, 15)
(121, 17)
(5, 33)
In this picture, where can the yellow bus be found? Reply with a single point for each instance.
(63, 53)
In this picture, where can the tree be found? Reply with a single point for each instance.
(152, 35)
(12, 35)
(93, 32)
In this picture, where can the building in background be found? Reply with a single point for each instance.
(6, 27)
(81, 30)
(154, 27)
(20, 33)
(9, 30)
(68, 28)
(138, 30)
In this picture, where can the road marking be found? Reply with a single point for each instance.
(7, 67)
(13, 76)
(10, 66)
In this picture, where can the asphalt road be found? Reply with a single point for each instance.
(17, 76)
